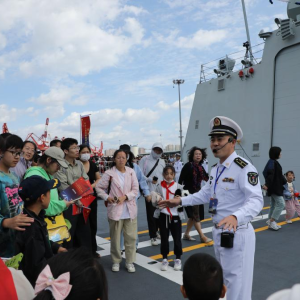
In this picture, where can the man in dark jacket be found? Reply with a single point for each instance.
(274, 186)
(34, 241)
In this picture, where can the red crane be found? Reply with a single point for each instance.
(95, 151)
(41, 142)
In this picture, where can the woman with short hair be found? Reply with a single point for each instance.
(119, 187)
(192, 174)
(274, 185)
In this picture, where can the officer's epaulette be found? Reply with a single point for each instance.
(241, 163)
(213, 165)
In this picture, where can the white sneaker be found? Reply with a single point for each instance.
(157, 235)
(289, 221)
(164, 265)
(115, 267)
(154, 242)
(268, 223)
(273, 226)
(177, 265)
(130, 268)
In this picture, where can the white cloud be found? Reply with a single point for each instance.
(199, 40)
(186, 103)
(8, 114)
(66, 38)
(53, 102)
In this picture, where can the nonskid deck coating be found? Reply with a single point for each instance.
(276, 260)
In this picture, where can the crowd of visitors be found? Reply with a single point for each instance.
(31, 191)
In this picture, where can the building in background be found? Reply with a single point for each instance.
(169, 148)
(109, 152)
(142, 150)
(177, 147)
(134, 149)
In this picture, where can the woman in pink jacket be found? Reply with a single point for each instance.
(119, 187)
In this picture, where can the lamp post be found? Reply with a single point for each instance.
(179, 82)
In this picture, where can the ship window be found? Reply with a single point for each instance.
(197, 124)
(256, 147)
(221, 83)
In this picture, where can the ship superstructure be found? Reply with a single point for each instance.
(263, 96)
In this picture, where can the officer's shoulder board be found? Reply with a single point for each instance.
(213, 165)
(240, 162)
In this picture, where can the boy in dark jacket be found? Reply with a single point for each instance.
(34, 242)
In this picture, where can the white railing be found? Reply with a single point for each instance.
(207, 70)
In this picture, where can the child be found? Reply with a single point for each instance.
(169, 219)
(291, 198)
(202, 278)
(10, 203)
(86, 280)
(34, 242)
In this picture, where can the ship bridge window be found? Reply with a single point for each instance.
(197, 124)
(255, 146)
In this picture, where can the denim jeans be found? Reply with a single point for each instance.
(277, 206)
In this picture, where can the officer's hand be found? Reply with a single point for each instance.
(229, 223)
(265, 187)
(169, 203)
(148, 198)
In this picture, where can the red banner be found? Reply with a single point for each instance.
(85, 129)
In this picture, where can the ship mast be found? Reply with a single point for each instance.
(247, 30)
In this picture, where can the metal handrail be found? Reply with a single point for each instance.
(205, 73)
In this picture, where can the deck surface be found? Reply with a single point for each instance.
(276, 259)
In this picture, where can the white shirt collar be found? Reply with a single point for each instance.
(227, 163)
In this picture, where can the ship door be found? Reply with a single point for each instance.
(286, 122)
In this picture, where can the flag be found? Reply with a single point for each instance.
(87, 200)
(85, 129)
(86, 212)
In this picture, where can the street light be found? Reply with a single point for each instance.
(179, 82)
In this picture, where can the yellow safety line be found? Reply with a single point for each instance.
(187, 249)
(183, 224)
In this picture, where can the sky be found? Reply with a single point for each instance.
(115, 60)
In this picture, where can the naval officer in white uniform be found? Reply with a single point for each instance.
(177, 166)
(235, 197)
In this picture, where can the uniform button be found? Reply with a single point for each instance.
(226, 189)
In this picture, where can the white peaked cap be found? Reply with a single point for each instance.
(220, 125)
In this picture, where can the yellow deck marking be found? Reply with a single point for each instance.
(187, 249)
(183, 224)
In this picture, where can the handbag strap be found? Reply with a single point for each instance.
(151, 171)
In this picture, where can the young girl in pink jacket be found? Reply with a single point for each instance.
(119, 187)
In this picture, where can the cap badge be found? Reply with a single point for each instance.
(217, 122)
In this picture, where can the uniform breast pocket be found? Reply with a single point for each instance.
(230, 190)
